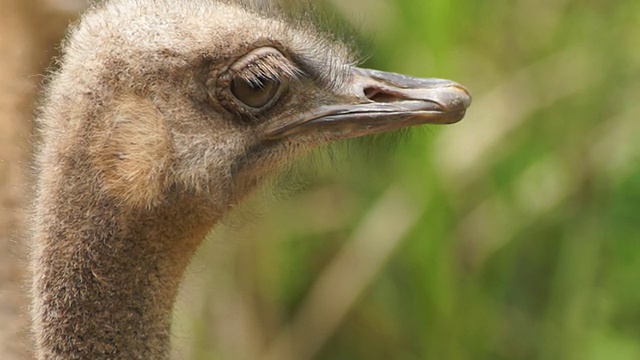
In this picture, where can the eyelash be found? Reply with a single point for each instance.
(267, 67)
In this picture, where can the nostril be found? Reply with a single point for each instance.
(380, 95)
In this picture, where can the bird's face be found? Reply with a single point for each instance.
(290, 108)
(236, 94)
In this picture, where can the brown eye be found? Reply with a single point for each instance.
(257, 94)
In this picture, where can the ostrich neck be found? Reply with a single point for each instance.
(105, 278)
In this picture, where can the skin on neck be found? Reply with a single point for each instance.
(106, 286)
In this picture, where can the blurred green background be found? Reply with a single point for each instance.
(514, 234)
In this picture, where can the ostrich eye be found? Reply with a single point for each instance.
(253, 83)
(255, 94)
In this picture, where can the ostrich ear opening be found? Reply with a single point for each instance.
(135, 153)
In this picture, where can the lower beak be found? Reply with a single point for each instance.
(378, 101)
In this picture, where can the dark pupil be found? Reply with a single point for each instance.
(255, 94)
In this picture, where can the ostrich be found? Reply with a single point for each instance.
(165, 114)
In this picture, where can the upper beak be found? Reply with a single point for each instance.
(377, 101)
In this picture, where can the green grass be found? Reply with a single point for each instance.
(515, 233)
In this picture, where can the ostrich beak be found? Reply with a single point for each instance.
(378, 101)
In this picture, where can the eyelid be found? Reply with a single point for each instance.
(265, 62)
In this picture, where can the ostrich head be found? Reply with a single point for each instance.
(162, 116)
